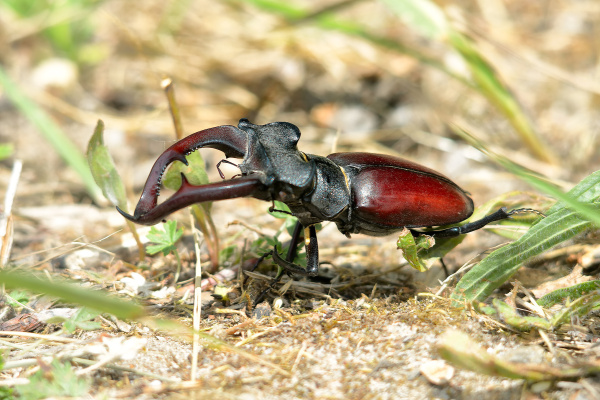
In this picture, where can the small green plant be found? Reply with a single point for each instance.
(55, 380)
(411, 246)
(164, 239)
(106, 176)
(577, 211)
(6, 393)
(82, 319)
(17, 298)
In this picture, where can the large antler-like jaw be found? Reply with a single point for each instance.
(272, 169)
(189, 194)
(230, 140)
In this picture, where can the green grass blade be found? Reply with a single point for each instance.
(51, 132)
(422, 15)
(330, 21)
(560, 224)
(571, 292)
(587, 191)
(429, 19)
(72, 293)
(499, 95)
(579, 308)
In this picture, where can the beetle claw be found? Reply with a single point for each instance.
(126, 215)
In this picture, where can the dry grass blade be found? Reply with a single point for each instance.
(32, 335)
(197, 314)
(6, 224)
(458, 349)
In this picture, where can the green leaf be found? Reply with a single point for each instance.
(522, 323)
(82, 319)
(103, 169)
(60, 381)
(560, 224)
(195, 172)
(280, 210)
(16, 298)
(164, 239)
(572, 292)
(410, 246)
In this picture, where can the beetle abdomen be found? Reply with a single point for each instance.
(392, 192)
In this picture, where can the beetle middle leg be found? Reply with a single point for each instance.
(312, 254)
(289, 258)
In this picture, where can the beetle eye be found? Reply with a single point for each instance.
(246, 125)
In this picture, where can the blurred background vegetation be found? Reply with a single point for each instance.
(519, 75)
(394, 76)
(403, 77)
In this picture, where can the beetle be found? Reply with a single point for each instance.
(367, 193)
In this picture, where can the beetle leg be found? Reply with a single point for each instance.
(291, 254)
(312, 256)
(475, 225)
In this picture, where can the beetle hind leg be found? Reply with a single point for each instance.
(475, 225)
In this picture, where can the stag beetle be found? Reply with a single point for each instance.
(373, 194)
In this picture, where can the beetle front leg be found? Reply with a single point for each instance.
(312, 255)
